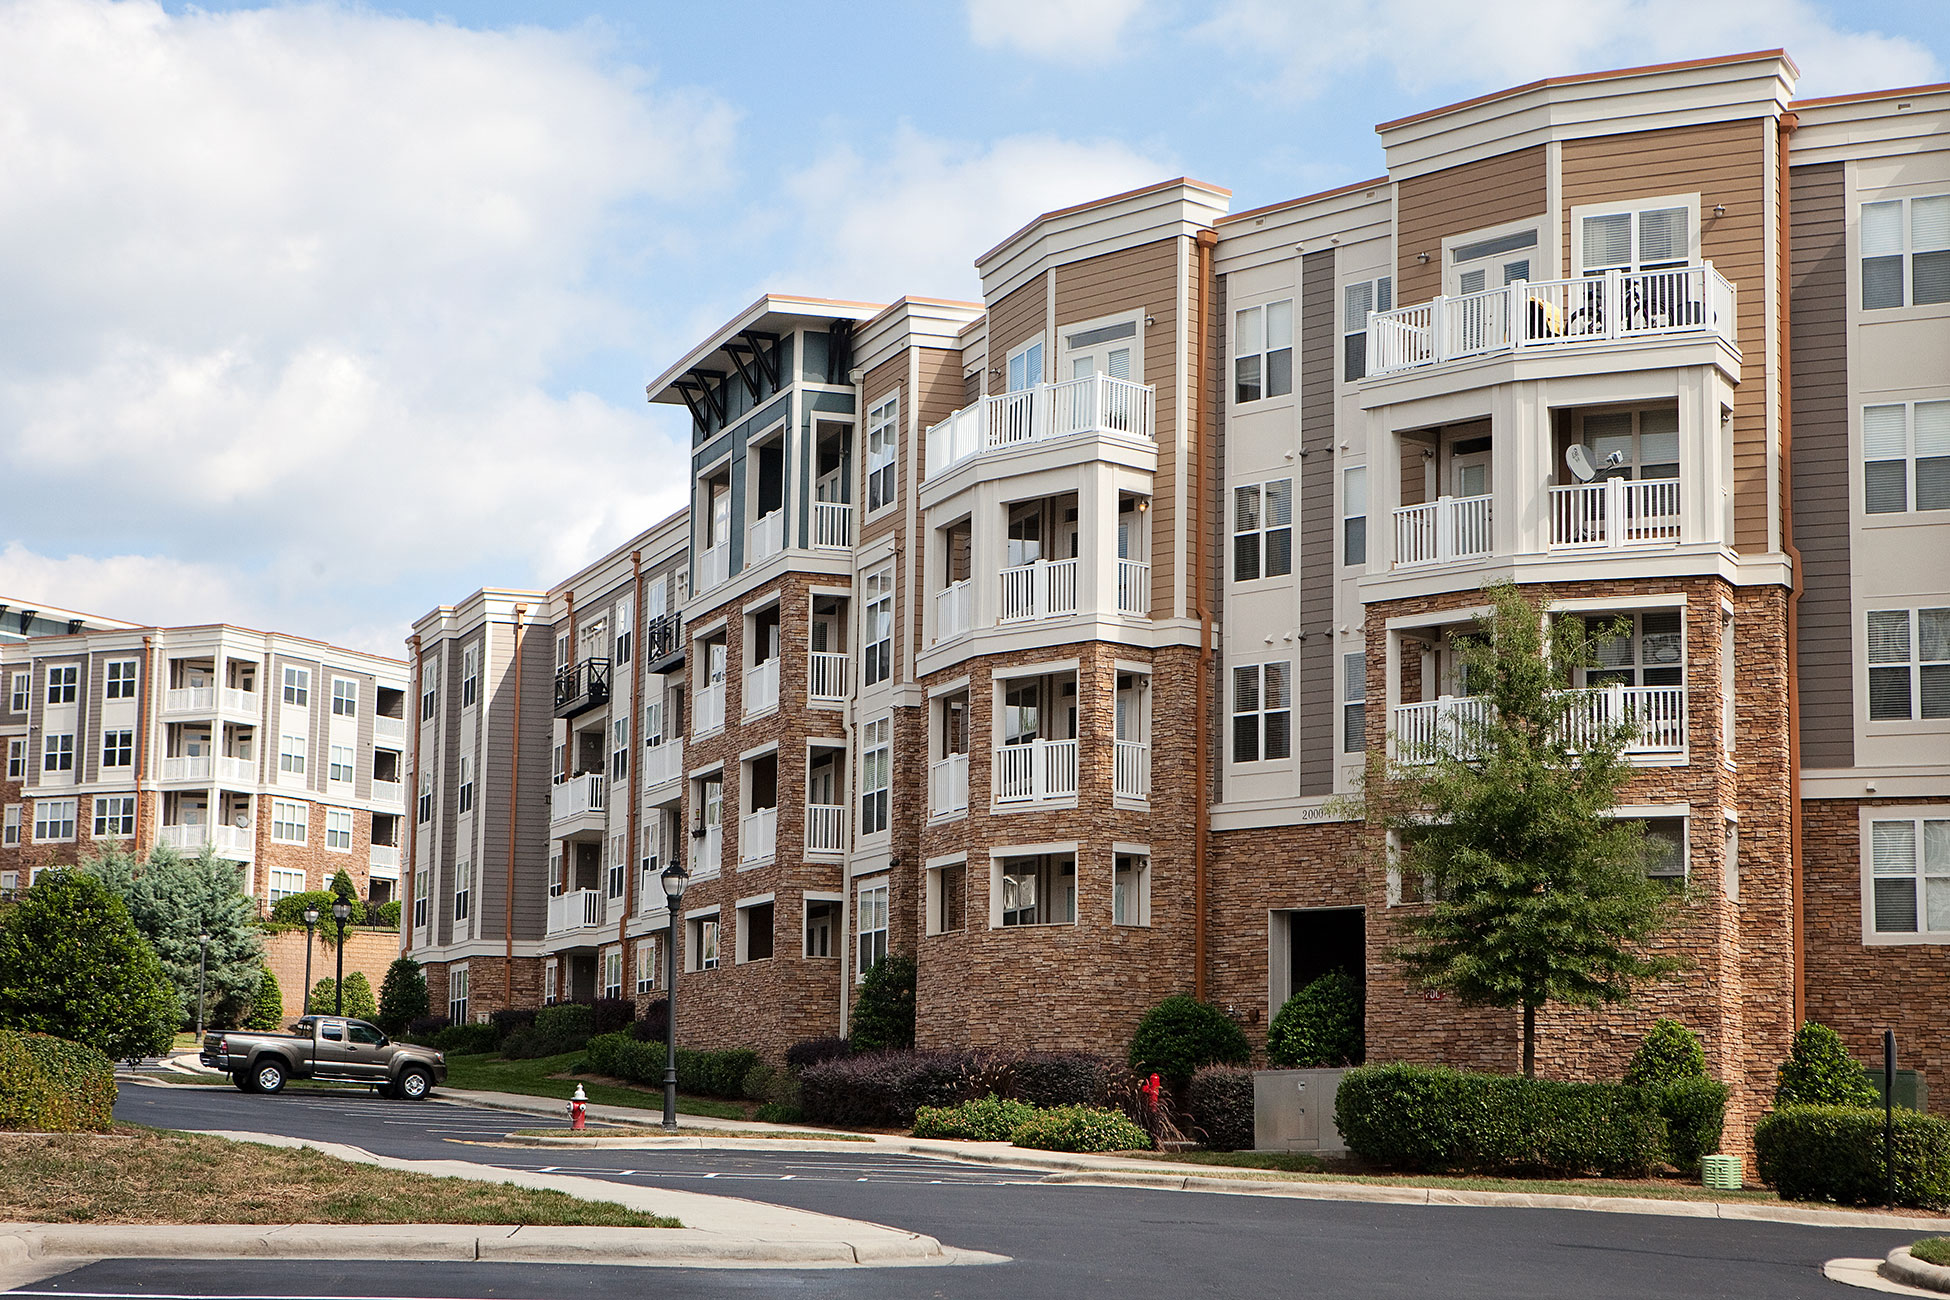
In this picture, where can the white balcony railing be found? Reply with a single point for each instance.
(389, 792)
(1133, 587)
(191, 767)
(1443, 531)
(952, 610)
(762, 687)
(190, 699)
(1041, 769)
(232, 842)
(707, 711)
(384, 857)
(239, 702)
(825, 828)
(1092, 404)
(1133, 770)
(576, 795)
(758, 835)
(1433, 727)
(1613, 513)
(833, 525)
(765, 538)
(1522, 315)
(662, 763)
(384, 729)
(577, 909)
(707, 851)
(1657, 714)
(713, 566)
(825, 675)
(948, 785)
(1045, 589)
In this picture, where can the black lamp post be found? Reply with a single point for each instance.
(674, 879)
(341, 913)
(311, 919)
(202, 963)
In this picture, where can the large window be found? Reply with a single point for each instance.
(121, 680)
(466, 783)
(118, 748)
(647, 965)
(1905, 443)
(1643, 239)
(1651, 653)
(10, 826)
(619, 749)
(470, 676)
(57, 753)
(291, 754)
(701, 943)
(1906, 252)
(876, 766)
(463, 890)
(426, 797)
(430, 677)
(285, 882)
(1262, 712)
(17, 692)
(613, 973)
(1354, 516)
(878, 663)
(619, 866)
(624, 642)
(1130, 890)
(1909, 664)
(114, 816)
(297, 685)
(457, 994)
(61, 683)
(1039, 889)
(1262, 351)
(1637, 444)
(1909, 874)
(1262, 530)
(338, 830)
(422, 891)
(53, 819)
(290, 822)
(1358, 302)
(883, 440)
(872, 911)
(345, 697)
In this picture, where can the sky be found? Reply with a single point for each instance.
(316, 316)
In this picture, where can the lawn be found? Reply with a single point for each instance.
(549, 1076)
(645, 1131)
(140, 1175)
(1933, 1250)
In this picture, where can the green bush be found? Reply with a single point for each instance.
(1668, 1053)
(1181, 1036)
(1080, 1128)
(622, 1055)
(883, 1014)
(360, 1004)
(267, 1008)
(463, 1040)
(1433, 1118)
(1321, 1025)
(988, 1119)
(779, 1112)
(1820, 1072)
(385, 915)
(1221, 1104)
(402, 995)
(1695, 1111)
(50, 1085)
(1834, 1153)
(290, 910)
(72, 965)
(323, 997)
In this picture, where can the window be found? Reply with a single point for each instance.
(1898, 271)
(1358, 301)
(338, 830)
(1262, 351)
(426, 796)
(10, 826)
(619, 866)
(470, 676)
(463, 890)
(551, 982)
(118, 748)
(879, 652)
(457, 994)
(701, 943)
(647, 966)
(1262, 712)
(1895, 437)
(822, 918)
(422, 890)
(1026, 366)
(290, 822)
(340, 768)
(114, 816)
(467, 783)
(297, 685)
(1906, 669)
(61, 683)
(429, 676)
(755, 931)
(883, 438)
(625, 642)
(53, 819)
(1507, 256)
(57, 753)
(1648, 239)
(17, 759)
(1639, 444)
(871, 908)
(613, 973)
(286, 882)
(1665, 839)
(876, 740)
(1038, 890)
(947, 898)
(1130, 890)
(121, 680)
(1651, 653)
(1909, 877)
(1354, 709)
(1262, 530)
(653, 724)
(345, 697)
(17, 694)
(291, 754)
(619, 750)
(1354, 516)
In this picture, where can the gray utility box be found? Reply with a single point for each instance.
(1293, 1110)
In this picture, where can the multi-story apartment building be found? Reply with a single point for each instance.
(22, 619)
(284, 754)
(1047, 638)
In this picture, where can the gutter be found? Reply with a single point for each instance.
(514, 803)
(1201, 759)
(1785, 129)
(410, 904)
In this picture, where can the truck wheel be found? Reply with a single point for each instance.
(243, 1081)
(414, 1085)
(268, 1076)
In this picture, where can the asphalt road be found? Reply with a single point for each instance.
(1065, 1242)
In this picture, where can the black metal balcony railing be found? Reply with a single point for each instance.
(664, 637)
(581, 687)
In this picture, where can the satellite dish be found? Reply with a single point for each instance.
(1578, 461)
(243, 821)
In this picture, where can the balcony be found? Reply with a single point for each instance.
(826, 676)
(663, 641)
(207, 767)
(204, 701)
(1036, 771)
(713, 566)
(662, 764)
(1614, 513)
(707, 711)
(833, 525)
(953, 611)
(1443, 531)
(1132, 775)
(579, 909)
(1095, 404)
(230, 841)
(581, 687)
(707, 851)
(761, 693)
(758, 836)
(384, 857)
(765, 538)
(825, 828)
(387, 730)
(1689, 302)
(576, 795)
(1134, 588)
(1044, 589)
(1656, 714)
(389, 792)
(948, 786)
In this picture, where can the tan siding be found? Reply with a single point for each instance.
(882, 380)
(1725, 162)
(1455, 201)
(937, 396)
(88, 728)
(1319, 344)
(1013, 321)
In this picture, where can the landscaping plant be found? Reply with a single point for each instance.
(72, 965)
(883, 1013)
(267, 1008)
(1220, 1102)
(1671, 1064)
(1834, 1153)
(1181, 1036)
(50, 1085)
(1321, 1025)
(985, 1119)
(172, 899)
(402, 995)
(1820, 1072)
(1080, 1128)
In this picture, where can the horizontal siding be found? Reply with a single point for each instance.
(1455, 201)
(939, 396)
(1318, 345)
(882, 380)
(1013, 321)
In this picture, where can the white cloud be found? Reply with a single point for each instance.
(1435, 45)
(147, 589)
(1068, 30)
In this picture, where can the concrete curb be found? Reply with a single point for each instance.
(1903, 1267)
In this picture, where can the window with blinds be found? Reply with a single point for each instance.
(1262, 530)
(1354, 708)
(1909, 875)
(1905, 457)
(1909, 664)
(1644, 239)
(1905, 252)
(1262, 712)
(1359, 301)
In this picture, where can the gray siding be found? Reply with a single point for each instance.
(1818, 353)
(1318, 349)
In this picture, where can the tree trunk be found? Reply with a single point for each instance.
(1529, 1040)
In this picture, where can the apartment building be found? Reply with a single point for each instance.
(1047, 638)
(285, 754)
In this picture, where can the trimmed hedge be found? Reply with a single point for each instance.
(1695, 1111)
(1050, 1079)
(461, 1040)
(882, 1089)
(1181, 1036)
(1668, 1053)
(1431, 1118)
(564, 1027)
(1820, 1072)
(1221, 1104)
(811, 1051)
(1080, 1128)
(1834, 1153)
(383, 914)
(621, 1055)
(51, 1085)
(1321, 1025)
(988, 1119)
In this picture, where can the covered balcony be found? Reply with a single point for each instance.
(1656, 716)
(574, 797)
(1094, 404)
(663, 763)
(581, 687)
(576, 909)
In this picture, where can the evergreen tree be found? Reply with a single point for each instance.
(267, 1008)
(73, 965)
(883, 1013)
(359, 1002)
(172, 899)
(402, 996)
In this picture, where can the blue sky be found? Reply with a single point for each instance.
(318, 313)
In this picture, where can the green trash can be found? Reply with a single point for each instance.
(1721, 1173)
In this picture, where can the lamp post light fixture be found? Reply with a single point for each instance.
(674, 879)
(341, 913)
(311, 919)
(202, 963)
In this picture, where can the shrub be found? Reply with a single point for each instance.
(359, 1001)
(1695, 1111)
(883, 1014)
(779, 1112)
(383, 914)
(422, 1028)
(510, 1019)
(1321, 1025)
(712, 1073)
(1061, 1078)
(881, 1089)
(290, 910)
(1433, 1118)
(621, 1056)
(402, 995)
(564, 1027)
(267, 1008)
(811, 1051)
(72, 965)
(1080, 1128)
(1820, 1072)
(51, 1085)
(1668, 1053)
(1181, 1036)
(655, 1025)
(1834, 1153)
(462, 1040)
(1221, 1104)
(988, 1119)
(323, 997)
(607, 1015)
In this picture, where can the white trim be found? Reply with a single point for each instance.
(702, 913)
(1866, 815)
(1634, 206)
(755, 900)
(1032, 850)
(1140, 850)
(949, 687)
(1008, 672)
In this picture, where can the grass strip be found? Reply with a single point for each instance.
(644, 1130)
(1933, 1250)
(548, 1076)
(157, 1176)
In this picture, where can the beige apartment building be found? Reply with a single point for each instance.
(1045, 638)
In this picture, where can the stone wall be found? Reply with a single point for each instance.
(368, 951)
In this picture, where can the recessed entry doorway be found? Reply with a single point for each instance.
(1306, 943)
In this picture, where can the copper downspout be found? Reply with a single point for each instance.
(412, 900)
(514, 804)
(1786, 488)
(1201, 792)
(630, 768)
(568, 738)
(142, 737)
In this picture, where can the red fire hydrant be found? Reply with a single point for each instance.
(578, 1109)
(1151, 1088)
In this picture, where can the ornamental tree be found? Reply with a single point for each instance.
(73, 965)
(402, 995)
(172, 899)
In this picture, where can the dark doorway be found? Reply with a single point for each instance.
(1326, 939)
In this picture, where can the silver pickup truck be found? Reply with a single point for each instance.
(325, 1047)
